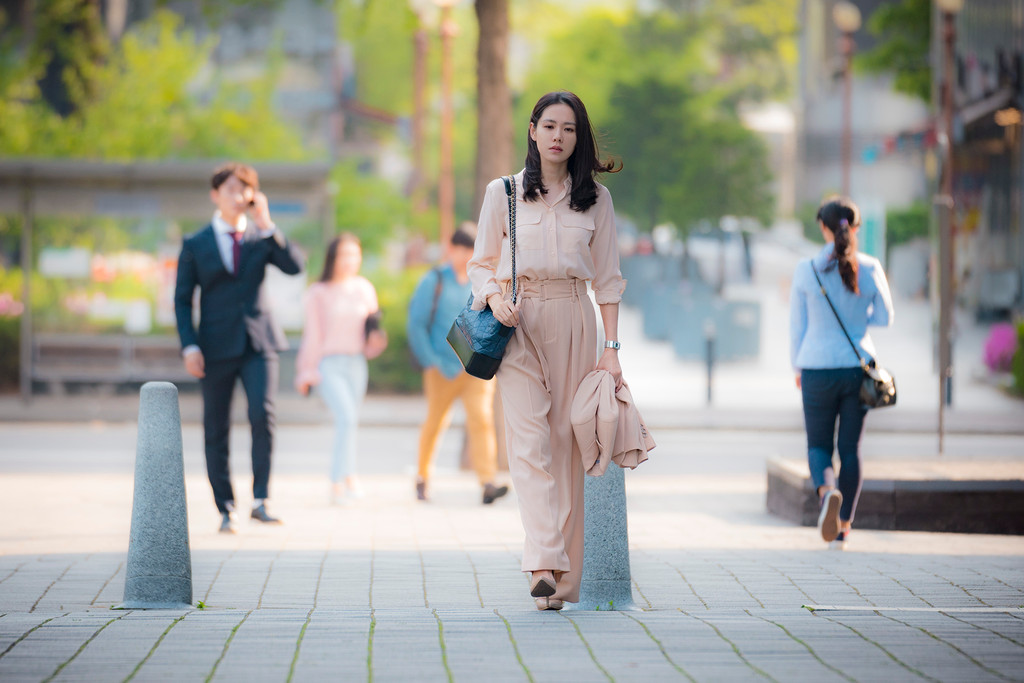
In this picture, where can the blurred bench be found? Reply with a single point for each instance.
(61, 360)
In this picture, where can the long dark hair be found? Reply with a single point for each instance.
(840, 215)
(583, 163)
(332, 254)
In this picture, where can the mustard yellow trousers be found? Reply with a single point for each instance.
(477, 397)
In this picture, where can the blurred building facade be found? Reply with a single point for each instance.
(988, 177)
(881, 119)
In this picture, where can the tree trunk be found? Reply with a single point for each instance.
(494, 103)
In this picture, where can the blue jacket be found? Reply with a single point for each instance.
(816, 340)
(430, 346)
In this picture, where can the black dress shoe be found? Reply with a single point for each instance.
(260, 515)
(226, 525)
(493, 493)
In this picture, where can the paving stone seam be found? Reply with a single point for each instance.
(900, 584)
(216, 575)
(106, 583)
(302, 634)
(741, 584)
(661, 647)
(81, 648)
(997, 580)
(967, 592)
(266, 581)
(983, 628)
(423, 566)
(735, 648)
(149, 654)
(54, 583)
(469, 557)
(804, 643)
(369, 645)
(847, 584)
(586, 644)
(14, 571)
(790, 579)
(636, 587)
(227, 644)
(444, 646)
(889, 654)
(515, 646)
(682, 576)
(970, 658)
(29, 632)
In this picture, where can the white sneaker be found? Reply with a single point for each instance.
(839, 543)
(828, 518)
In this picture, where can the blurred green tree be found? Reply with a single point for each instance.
(904, 32)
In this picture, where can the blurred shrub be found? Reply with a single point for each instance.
(903, 225)
(392, 371)
(10, 348)
(1017, 365)
(1000, 347)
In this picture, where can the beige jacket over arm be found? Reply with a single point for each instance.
(551, 243)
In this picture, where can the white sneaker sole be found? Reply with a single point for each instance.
(828, 519)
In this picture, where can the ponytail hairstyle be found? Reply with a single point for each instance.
(841, 216)
(583, 163)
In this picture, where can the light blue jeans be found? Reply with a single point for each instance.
(343, 386)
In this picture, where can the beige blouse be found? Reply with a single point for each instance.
(552, 242)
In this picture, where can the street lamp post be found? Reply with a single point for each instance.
(949, 8)
(846, 16)
(446, 183)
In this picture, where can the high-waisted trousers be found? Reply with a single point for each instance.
(551, 351)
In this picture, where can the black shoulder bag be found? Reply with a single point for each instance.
(878, 389)
(477, 337)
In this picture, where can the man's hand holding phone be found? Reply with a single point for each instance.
(259, 210)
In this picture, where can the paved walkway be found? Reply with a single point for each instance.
(391, 589)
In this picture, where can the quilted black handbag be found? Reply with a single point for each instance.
(878, 388)
(477, 337)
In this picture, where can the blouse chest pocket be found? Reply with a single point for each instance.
(529, 229)
(576, 232)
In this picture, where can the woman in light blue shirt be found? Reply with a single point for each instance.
(828, 372)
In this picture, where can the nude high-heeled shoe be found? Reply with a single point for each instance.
(549, 603)
(543, 584)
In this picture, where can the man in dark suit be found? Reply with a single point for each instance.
(237, 337)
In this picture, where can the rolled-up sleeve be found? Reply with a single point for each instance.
(608, 284)
(483, 267)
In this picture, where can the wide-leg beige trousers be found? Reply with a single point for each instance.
(547, 357)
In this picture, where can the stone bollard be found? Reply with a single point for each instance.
(159, 569)
(606, 583)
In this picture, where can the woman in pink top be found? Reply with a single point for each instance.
(335, 346)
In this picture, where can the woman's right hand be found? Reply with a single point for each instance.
(504, 311)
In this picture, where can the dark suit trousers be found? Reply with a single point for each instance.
(259, 374)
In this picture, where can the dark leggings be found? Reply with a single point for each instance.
(830, 394)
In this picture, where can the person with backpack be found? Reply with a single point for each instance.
(438, 299)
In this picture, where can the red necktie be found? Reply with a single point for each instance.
(236, 250)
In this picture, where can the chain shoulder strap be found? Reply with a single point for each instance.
(510, 191)
(853, 346)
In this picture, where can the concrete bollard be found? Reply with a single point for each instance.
(606, 582)
(159, 569)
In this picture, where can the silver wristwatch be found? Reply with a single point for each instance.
(609, 344)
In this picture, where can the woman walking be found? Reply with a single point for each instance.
(565, 236)
(336, 342)
(828, 371)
